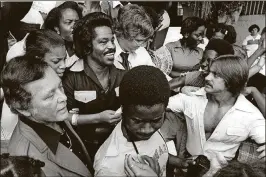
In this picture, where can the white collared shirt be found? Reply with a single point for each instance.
(243, 120)
(109, 160)
(139, 57)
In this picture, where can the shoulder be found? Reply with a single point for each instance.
(18, 144)
(172, 45)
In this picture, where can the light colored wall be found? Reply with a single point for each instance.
(244, 23)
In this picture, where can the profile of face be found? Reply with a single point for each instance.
(48, 102)
(208, 56)
(56, 59)
(131, 45)
(214, 83)
(196, 37)
(103, 47)
(254, 31)
(66, 23)
(142, 121)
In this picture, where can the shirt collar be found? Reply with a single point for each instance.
(241, 103)
(118, 50)
(50, 136)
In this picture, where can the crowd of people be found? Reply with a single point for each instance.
(84, 93)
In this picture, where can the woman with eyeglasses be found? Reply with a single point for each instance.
(184, 53)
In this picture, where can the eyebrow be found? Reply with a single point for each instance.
(156, 118)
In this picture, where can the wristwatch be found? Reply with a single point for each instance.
(74, 119)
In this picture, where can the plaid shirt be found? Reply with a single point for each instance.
(247, 152)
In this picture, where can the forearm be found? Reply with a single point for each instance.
(253, 70)
(177, 82)
(254, 56)
(175, 161)
(260, 99)
(86, 118)
(89, 119)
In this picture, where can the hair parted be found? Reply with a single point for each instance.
(234, 70)
(133, 20)
(16, 74)
(39, 42)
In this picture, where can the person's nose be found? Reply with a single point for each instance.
(208, 77)
(111, 45)
(62, 64)
(61, 96)
(147, 129)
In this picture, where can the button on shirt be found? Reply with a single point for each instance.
(243, 120)
(84, 91)
(137, 58)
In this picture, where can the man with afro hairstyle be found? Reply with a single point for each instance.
(144, 93)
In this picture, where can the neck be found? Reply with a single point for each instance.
(96, 67)
(222, 99)
(52, 125)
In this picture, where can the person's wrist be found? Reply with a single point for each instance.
(74, 120)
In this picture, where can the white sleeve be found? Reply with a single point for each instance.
(257, 131)
(245, 42)
(177, 103)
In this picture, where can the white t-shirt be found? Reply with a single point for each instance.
(251, 44)
(109, 160)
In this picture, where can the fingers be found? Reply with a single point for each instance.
(261, 148)
(127, 165)
(152, 163)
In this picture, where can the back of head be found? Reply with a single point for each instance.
(132, 21)
(222, 47)
(144, 86)
(238, 169)
(231, 34)
(191, 24)
(84, 33)
(20, 166)
(53, 17)
(234, 70)
(39, 42)
(16, 74)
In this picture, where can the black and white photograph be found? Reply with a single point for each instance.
(132, 88)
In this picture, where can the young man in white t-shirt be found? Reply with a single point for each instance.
(143, 100)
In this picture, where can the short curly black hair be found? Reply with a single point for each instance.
(221, 46)
(144, 86)
(252, 27)
(20, 166)
(84, 33)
